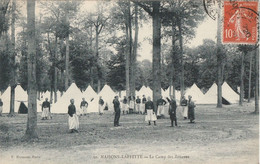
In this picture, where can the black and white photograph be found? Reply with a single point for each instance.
(129, 81)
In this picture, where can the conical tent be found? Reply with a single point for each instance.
(141, 90)
(210, 97)
(196, 94)
(93, 105)
(89, 94)
(166, 93)
(73, 92)
(6, 92)
(229, 94)
(46, 94)
(20, 96)
(6, 100)
(107, 95)
(145, 91)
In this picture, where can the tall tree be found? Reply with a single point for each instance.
(172, 73)
(257, 80)
(131, 54)
(134, 53)
(250, 77)
(244, 49)
(153, 9)
(179, 24)
(13, 54)
(241, 95)
(219, 57)
(67, 49)
(31, 130)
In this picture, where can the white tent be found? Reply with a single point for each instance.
(7, 91)
(196, 94)
(73, 92)
(93, 105)
(141, 90)
(89, 94)
(147, 91)
(166, 93)
(6, 100)
(20, 96)
(107, 95)
(211, 96)
(229, 94)
(46, 94)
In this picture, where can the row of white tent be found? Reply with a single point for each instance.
(210, 97)
(107, 94)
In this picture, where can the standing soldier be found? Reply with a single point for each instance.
(1, 107)
(191, 110)
(138, 105)
(184, 104)
(73, 118)
(101, 105)
(83, 107)
(46, 108)
(117, 111)
(143, 104)
(150, 112)
(131, 104)
(125, 106)
(172, 110)
(160, 106)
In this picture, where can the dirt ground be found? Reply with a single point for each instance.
(226, 135)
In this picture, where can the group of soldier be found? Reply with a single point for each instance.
(130, 105)
(147, 108)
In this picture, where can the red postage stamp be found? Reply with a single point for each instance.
(240, 22)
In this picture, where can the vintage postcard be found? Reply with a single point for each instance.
(129, 81)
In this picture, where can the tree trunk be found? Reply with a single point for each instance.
(62, 74)
(91, 68)
(127, 61)
(31, 131)
(55, 70)
(181, 56)
(257, 80)
(13, 81)
(172, 82)
(219, 59)
(51, 95)
(241, 96)
(249, 80)
(91, 78)
(97, 56)
(156, 52)
(134, 54)
(62, 80)
(67, 56)
(130, 41)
